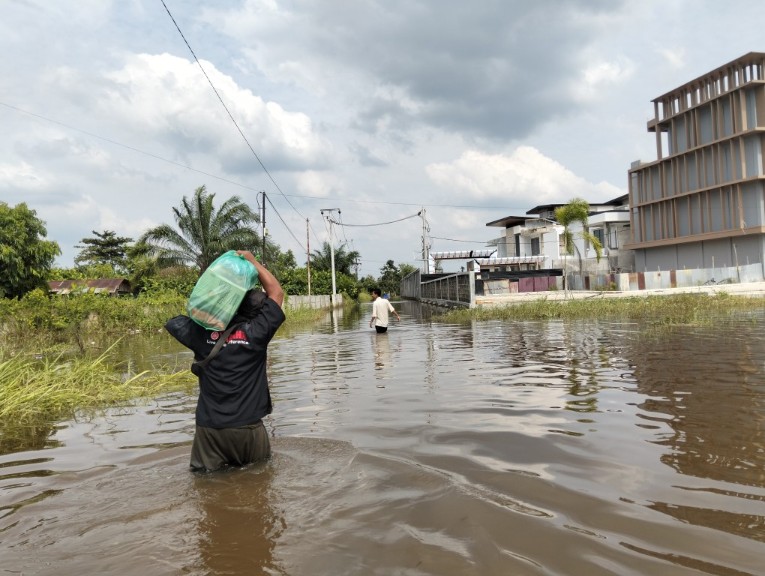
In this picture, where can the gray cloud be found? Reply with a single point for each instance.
(494, 69)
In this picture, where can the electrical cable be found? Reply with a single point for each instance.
(285, 224)
(379, 223)
(228, 111)
(456, 240)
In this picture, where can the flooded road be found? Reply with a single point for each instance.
(502, 448)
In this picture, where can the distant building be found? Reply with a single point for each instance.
(701, 204)
(534, 240)
(110, 286)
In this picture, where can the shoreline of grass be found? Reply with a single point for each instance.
(56, 375)
(39, 323)
(33, 389)
(657, 309)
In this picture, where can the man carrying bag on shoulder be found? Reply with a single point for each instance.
(233, 385)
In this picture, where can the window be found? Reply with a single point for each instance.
(705, 125)
(600, 235)
(535, 246)
(753, 156)
(751, 109)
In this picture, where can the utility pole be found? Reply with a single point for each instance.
(263, 223)
(308, 255)
(425, 243)
(331, 245)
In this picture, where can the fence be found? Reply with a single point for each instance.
(461, 289)
(450, 289)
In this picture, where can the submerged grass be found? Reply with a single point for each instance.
(665, 309)
(47, 367)
(33, 389)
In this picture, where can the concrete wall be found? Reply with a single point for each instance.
(316, 302)
(720, 253)
(668, 278)
(410, 286)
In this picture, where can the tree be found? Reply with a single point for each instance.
(577, 210)
(25, 257)
(105, 248)
(204, 233)
(279, 263)
(390, 278)
(406, 269)
(344, 261)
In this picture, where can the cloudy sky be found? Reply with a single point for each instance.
(470, 110)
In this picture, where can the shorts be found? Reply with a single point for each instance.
(381, 329)
(215, 448)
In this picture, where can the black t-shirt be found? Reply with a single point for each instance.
(233, 389)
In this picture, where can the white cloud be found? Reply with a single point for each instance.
(598, 77)
(525, 177)
(169, 98)
(675, 57)
(323, 184)
(21, 176)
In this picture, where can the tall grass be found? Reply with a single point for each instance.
(665, 310)
(34, 389)
(44, 372)
(39, 322)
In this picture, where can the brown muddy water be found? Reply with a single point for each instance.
(501, 448)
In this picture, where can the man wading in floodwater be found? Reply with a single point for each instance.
(233, 386)
(380, 309)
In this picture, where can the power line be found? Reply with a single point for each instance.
(456, 240)
(378, 224)
(128, 147)
(228, 111)
(283, 222)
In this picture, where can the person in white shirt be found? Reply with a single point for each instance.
(380, 310)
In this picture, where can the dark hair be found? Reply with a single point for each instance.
(376, 291)
(251, 304)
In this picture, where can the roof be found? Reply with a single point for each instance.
(508, 221)
(97, 286)
(748, 58)
(618, 201)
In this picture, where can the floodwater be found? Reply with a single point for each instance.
(498, 448)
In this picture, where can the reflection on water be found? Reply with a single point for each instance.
(237, 527)
(557, 447)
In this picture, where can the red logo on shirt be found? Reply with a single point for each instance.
(215, 335)
(237, 335)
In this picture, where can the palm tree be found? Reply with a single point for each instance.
(344, 261)
(204, 233)
(577, 210)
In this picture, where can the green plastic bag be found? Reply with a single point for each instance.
(220, 289)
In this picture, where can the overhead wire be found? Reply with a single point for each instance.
(285, 224)
(457, 240)
(128, 147)
(379, 223)
(230, 115)
(343, 227)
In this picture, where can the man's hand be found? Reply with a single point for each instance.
(269, 282)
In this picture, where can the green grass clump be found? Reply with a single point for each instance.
(32, 389)
(668, 310)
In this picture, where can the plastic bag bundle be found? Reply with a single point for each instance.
(220, 289)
